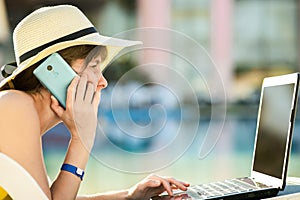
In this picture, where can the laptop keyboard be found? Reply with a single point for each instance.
(221, 188)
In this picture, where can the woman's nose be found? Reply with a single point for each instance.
(102, 82)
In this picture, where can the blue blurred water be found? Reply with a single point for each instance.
(241, 136)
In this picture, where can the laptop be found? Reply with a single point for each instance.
(275, 122)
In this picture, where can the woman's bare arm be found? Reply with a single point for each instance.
(20, 135)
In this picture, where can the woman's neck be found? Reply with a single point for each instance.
(42, 102)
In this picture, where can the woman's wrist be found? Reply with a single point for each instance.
(130, 194)
(73, 170)
(77, 154)
(116, 195)
(86, 140)
(127, 195)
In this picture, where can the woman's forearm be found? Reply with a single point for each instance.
(115, 195)
(66, 185)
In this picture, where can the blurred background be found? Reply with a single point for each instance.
(185, 104)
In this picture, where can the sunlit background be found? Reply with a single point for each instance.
(184, 104)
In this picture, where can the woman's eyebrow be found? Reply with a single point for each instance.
(96, 60)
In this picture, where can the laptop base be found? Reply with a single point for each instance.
(266, 193)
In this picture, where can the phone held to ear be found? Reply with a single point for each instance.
(56, 75)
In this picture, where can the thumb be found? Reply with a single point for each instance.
(56, 107)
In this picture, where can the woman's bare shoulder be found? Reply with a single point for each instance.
(20, 133)
(13, 95)
(16, 100)
(17, 107)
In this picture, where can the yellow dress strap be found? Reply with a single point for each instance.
(4, 195)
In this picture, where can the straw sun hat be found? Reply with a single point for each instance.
(50, 29)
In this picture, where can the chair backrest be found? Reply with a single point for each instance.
(18, 183)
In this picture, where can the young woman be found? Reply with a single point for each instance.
(28, 109)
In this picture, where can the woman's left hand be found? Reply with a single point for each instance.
(80, 115)
(154, 185)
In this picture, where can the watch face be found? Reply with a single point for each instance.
(79, 171)
(74, 170)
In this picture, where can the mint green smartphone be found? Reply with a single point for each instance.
(56, 75)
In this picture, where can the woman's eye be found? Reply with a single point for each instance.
(94, 64)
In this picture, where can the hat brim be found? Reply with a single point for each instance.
(113, 46)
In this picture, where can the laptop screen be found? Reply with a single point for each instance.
(273, 129)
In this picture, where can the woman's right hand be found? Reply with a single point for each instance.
(154, 185)
(80, 115)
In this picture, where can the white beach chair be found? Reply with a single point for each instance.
(18, 183)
